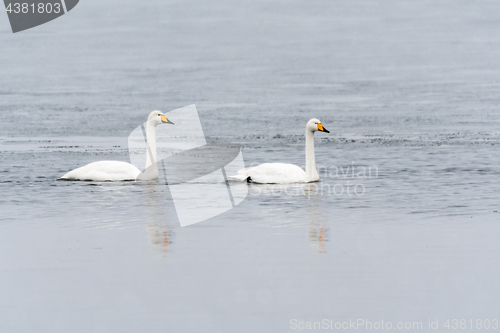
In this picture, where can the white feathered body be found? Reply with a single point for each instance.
(274, 173)
(104, 171)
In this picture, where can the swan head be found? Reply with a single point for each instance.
(157, 118)
(314, 125)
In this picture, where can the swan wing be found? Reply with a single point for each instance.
(273, 173)
(104, 171)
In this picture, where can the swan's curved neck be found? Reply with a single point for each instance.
(151, 148)
(311, 172)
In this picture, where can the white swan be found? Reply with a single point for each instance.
(283, 173)
(118, 170)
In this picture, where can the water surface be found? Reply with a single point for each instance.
(410, 90)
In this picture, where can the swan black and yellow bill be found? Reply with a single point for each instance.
(321, 128)
(165, 120)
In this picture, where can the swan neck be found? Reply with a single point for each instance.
(151, 144)
(311, 172)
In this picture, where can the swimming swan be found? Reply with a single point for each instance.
(118, 170)
(283, 173)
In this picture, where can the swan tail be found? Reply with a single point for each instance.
(240, 178)
(242, 175)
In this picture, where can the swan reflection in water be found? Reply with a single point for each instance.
(160, 237)
(159, 227)
(317, 231)
(308, 196)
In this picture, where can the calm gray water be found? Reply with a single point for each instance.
(409, 89)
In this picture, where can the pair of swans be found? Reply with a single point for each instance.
(267, 173)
